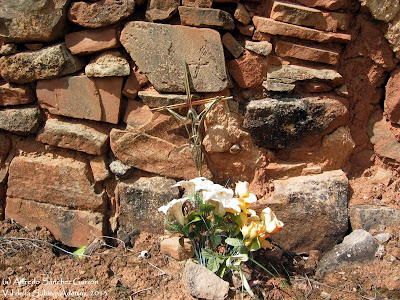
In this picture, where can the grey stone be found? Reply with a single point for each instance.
(276, 85)
(8, 49)
(263, 47)
(120, 169)
(383, 10)
(73, 136)
(206, 17)
(202, 283)
(160, 51)
(369, 217)
(279, 123)
(154, 99)
(49, 62)
(139, 201)
(314, 207)
(358, 247)
(32, 20)
(22, 120)
(383, 237)
(106, 64)
(159, 10)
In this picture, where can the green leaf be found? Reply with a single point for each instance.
(206, 208)
(213, 264)
(207, 253)
(194, 215)
(255, 245)
(79, 252)
(234, 242)
(215, 240)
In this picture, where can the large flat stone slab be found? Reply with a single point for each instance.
(31, 20)
(98, 99)
(369, 217)
(160, 52)
(52, 61)
(280, 123)
(314, 207)
(206, 17)
(71, 227)
(58, 181)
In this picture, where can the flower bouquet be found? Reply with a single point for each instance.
(222, 228)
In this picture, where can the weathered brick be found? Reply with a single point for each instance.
(73, 228)
(232, 45)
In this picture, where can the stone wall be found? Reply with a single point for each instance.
(315, 108)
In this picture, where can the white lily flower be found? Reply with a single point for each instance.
(174, 207)
(222, 199)
(193, 185)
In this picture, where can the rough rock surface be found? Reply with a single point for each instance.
(74, 136)
(72, 227)
(98, 99)
(263, 47)
(101, 13)
(159, 10)
(157, 51)
(384, 141)
(202, 283)
(279, 123)
(23, 120)
(393, 35)
(384, 10)
(328, 4)
(30, 20)
(14, 94)
(369, 217)
(274, 27)
(58, 181)
(392, 99)
(320, 201)
(135, 81)
(248, 70)
(139, 201)
(172, 247)
(92, 40)
(358, 247)
(107, 64)
(232, 45)
(5, 144)
(49, 62)
(206, 17)
(99, 167)
(153, 99)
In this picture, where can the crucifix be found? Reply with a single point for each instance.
(193, 121)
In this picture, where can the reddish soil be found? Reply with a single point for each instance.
(120, 273)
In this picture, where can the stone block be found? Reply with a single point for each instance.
(153, 99)
(99, 167)
(172, 248)
(134, 83)
(384, 10)
(392, 98)
(100, 13)
(232, 45)
(139, 202)
(93, 40)
(28, 20)
(206, 17)
(22, 120)
(378, 218)
(160, 10)
(49, 62)
(73, 228)
(157, 50)
(327, 4)
(98, 99)
(54, 180)
(242, 15)
(274, 27)
(309, 17)
(314, 206)
(262, 48)
(15, 94)
(314, 53)
(108, 64)
(75, 136)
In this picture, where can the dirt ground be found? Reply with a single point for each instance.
(30, 269)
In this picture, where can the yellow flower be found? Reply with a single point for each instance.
(273, 225)
(244, 196)
(252, 230)
(264, 243)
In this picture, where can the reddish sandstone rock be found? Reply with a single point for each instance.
(392, 99)
(80, 137)
(52, 61)
(232, 45)
(206, 17)
(98, 99)
(248, 70)
(328, 4)
(54, 180)
(101, 13)
(2, 200)
(242, 15)
(159, 10)
(134, 83)
(14, 94)
(71, 227)
(172, 248)
(153, 99)
(31, 20)
(273, 27)
(94, 40)
(99, 167)
(384, 10)
(310, 17)
(246, 30)
(5, 144)
(198, 3)
(314, 53)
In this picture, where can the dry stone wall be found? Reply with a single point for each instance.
(315, 104)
